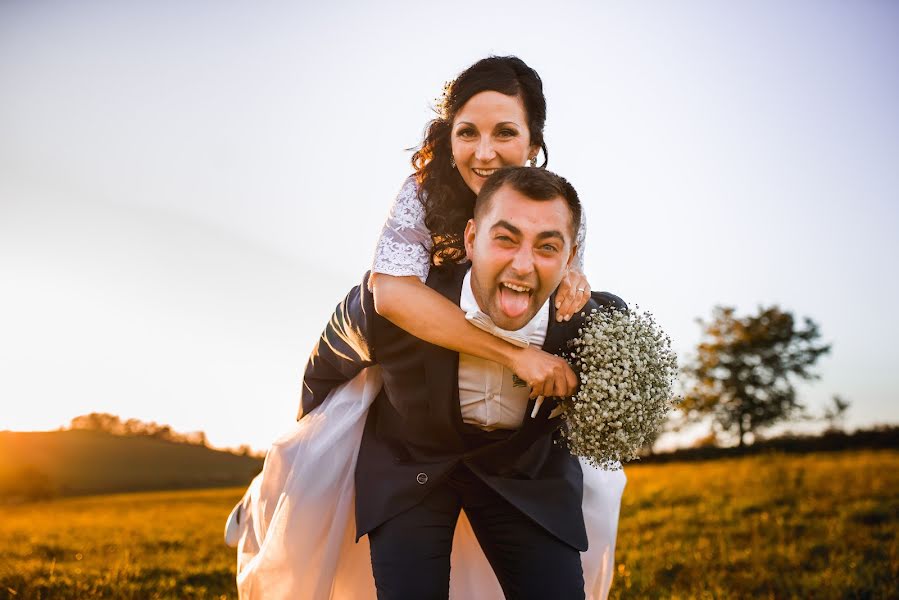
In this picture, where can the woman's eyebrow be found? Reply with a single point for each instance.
(500, 124)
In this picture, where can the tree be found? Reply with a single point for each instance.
(244, 450)
(196, 438)
(744, 369)
(835, 414)
(99, 422)
(113, 424)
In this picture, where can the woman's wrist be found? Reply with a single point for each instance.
(507, 354)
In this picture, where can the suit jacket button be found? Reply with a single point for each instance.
(422, 478)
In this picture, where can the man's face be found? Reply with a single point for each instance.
(519, 250)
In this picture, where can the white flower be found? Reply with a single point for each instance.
(627, 371)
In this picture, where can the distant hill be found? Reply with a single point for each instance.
(77, 462)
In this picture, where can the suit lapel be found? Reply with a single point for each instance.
(555, 331)
(442, 365)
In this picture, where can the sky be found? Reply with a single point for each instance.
(188, 189)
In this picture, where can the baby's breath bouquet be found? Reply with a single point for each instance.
(627, 371)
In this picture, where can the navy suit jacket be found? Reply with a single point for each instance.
(414, 434)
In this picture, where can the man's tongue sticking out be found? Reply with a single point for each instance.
(513, 303)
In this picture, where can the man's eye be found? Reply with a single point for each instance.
(503, 238)
(549, 248)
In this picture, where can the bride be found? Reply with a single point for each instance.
(294, 526)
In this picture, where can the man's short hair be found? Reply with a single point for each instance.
(536, 184)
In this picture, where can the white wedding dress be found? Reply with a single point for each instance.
(296, 531)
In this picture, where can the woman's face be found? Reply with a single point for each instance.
(490, 131)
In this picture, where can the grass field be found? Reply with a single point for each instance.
(774, 526)
(770, 526)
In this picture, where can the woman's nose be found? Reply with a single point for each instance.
(485, 151)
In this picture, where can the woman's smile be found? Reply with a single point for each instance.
(485, 173)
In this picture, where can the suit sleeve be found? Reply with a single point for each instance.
(343, 349)
(608, 301)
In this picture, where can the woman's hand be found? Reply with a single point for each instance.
(572, 295)
(546, 374)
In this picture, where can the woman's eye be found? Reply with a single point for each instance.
(464, 133)
(507, 133)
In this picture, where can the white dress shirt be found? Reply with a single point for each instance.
(490, 395)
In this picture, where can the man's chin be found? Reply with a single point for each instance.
(504, 321)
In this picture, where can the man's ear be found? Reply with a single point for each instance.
(470, 228)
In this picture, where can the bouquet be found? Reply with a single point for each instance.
(627, 371)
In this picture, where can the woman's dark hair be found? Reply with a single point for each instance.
(448, 201)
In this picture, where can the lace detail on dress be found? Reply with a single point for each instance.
(581, 239)
(401, 259)
(404, 247)
(407, 211)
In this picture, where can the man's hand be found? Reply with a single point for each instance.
(572, 295)
(546, 374)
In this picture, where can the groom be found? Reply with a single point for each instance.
(451, 432)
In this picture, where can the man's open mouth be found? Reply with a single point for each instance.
(514, 299)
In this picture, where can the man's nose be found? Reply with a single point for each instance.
(523, 261)
(485, 151)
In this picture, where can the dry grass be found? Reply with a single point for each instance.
(771, 526)
(775, 526)
(140, 546)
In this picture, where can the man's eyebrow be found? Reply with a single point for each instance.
(550, 234)
(543, 235)
(506, 225)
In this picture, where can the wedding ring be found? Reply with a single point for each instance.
(582, 289)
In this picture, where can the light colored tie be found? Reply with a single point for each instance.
(482, 320)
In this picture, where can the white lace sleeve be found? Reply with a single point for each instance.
(404, 247)
(581, 241)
